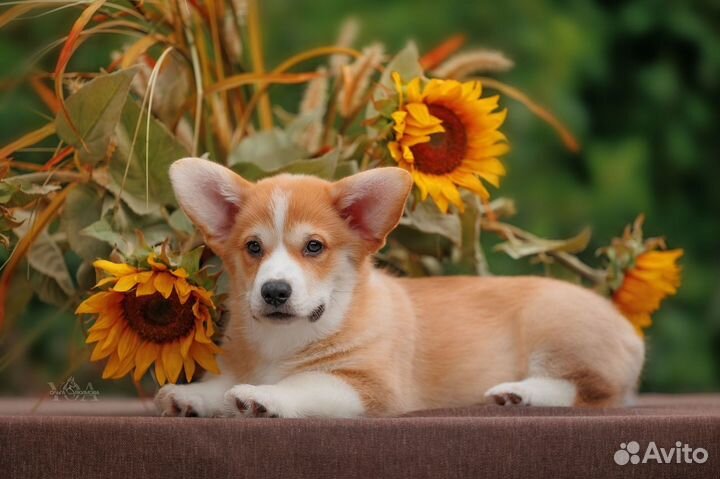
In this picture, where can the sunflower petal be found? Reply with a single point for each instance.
(106, 320)
(210, 324)
(200, 333)
(159, 372)
(111, 367)
(146, 287)
(205, 296)
(413, 91)
(95, 336)
(124, 368)
(127, 343)
(441, 202)
(202, 355)
(395, 151)
(147, 353)
(115, 269)
(420, 112)
(98, 302)
(471, 182)
(113, 337)
(104, 281)
(183, 289)
(180, 273)
(189, 365)
(185, 344)
(125, 283)
(156, 265)
(99, 353)
(172, 360)
(164, 284)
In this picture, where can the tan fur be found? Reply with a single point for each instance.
(408, 344)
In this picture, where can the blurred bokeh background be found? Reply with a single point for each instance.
(637, 81)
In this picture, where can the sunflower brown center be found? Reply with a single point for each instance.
(157, 319)
(445, 151)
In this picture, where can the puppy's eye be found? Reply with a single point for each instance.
(254, 248)
(313, 248)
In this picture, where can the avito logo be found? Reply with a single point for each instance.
(680, 454)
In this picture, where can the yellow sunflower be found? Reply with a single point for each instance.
(151, 316)
(654, 276)
(446, 136)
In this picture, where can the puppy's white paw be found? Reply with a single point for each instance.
(509, 394)
(534, 391)
(173, 400)
(246, 400)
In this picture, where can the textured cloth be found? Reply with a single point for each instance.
(484, 441)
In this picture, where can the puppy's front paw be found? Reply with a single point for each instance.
(246, 400)
(509, 394)
(172, 400)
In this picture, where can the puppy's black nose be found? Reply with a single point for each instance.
(276, 292)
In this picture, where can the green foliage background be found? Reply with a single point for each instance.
(637, 81)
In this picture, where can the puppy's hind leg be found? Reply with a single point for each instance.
(555, 379)
(534, 391)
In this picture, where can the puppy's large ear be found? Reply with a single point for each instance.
(373, 201)
(210, 195)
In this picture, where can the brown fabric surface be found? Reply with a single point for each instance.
(485, 441)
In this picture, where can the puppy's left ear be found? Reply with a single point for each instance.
(372, 202)
(211, 195)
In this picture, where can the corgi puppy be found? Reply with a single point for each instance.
(316, 330)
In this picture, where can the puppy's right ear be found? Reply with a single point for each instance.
(210, 195)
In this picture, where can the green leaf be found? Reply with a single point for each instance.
(266, 150)
(46, 257)
(346, 168)
(322, 167)
(83, 207)
(85, 276)
(48, 289)
(126, 241)
(102, 177)
(172, 88)
(163, 149)
(101, 230)
(15, 193)
(517, 249)
(407, 64)
(191, 260)
(425, 217)
(179, 221)
(426, 244)
(95, 110)
(157, 233)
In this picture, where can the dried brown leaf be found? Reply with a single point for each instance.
(463, 64)
(356, 78)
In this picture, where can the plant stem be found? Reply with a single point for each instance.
(567, 260)
(258, 61)
(42, 176)
(26, 242)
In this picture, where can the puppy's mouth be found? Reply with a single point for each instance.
(316, 313)
(284, 316)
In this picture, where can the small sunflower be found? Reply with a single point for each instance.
(654, 277)
(148, 316)
(446, 136)
(641, 274)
